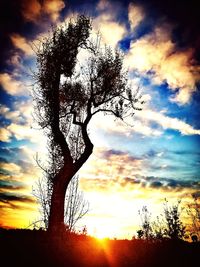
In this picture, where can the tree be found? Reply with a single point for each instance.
(42, 192)
(75, 204)
(168, 225)
(67, 97)
(174, 226)
(146, 228)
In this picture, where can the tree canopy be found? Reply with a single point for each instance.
(69, 95)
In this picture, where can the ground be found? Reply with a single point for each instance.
(37, 248)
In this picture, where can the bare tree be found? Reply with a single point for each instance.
(66, 99)
(42, 192)
(76, 207)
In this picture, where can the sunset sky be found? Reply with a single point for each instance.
(157, 158)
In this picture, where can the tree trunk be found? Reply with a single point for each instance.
(56, 216)
(61, 180)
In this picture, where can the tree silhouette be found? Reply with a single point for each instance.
(76, 207)
(166, 226)
(146, 228)
(68, 96)
(174, 226)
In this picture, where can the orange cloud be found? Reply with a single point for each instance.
(111, 164)
(34, 9)
(156, 52)
(135, 15)
(31, 9)
(11, 167)
(5, 135)
(52, 8)
(22, 44)
(11, 85)
(106, 23)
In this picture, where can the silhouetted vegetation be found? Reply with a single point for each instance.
(166, 226)
(67, 96)
(160, 242)
(37, 248)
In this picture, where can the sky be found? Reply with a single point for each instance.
(157, 157)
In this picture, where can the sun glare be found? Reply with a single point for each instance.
(103, 231)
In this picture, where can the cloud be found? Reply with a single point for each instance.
(156, 53)
(11, 198)
(11, 85)
(117, 127)
(103, 4)
(22, 44)
(21, 123)
(111, 170)
(118, 155)
(22, 152)
(21, 112)
(11, 185)
(196, 195)
(143, 123)
(15, 60)
(146, 130)
(111, 165)
(5, 135)
(183, 15)
(111, 31)
(33, 10)
(168, 122)
(20, 132)
(135, 15)
(163, 183)
(10, 167)
(8, 114)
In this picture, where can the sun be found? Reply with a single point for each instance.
(102, 233)
(105, 229)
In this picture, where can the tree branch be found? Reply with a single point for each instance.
(108, 111)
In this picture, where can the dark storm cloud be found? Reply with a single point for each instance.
(183, 15)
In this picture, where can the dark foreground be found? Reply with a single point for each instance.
(36, 248)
